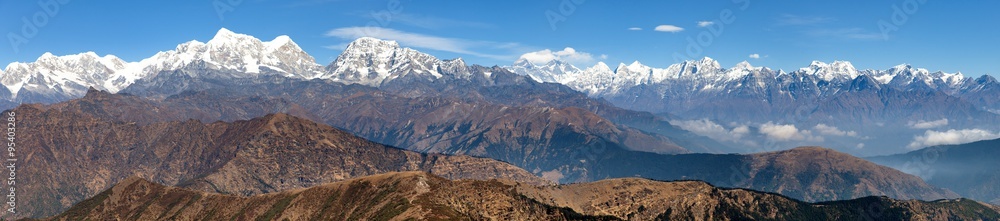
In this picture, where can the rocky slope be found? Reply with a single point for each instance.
(820, 174)
(69, 156)
(395, 196)
(541, 139)
(423, 196)
(804, 173)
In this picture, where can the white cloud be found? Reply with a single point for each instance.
(933, 137)
(833, 131)
(744, 129)
(860, 146)
(553, 175)
(668, 28)
(705, 23)
(604, 56)
(635, 29)
(712, 130)
(568, 54)
(928, 124)
(461, 46)
(430, 22)
(755, 56)
(787, 132)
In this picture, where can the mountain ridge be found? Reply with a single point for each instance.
(419, 195)
(560, 157)
(292, 61)
(246, 157)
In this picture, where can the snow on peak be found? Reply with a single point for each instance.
(744, 65)
(838, 70)
(555, 62)
(227, 37)
(703, 66)
(816, 63)
(594, 80)
(600, 65)
(64, 75)
(636, 65)
(280, 41)
(46, 55)
(237, 52)
(522, 62)
(371, 61)
(902, 66)
(364, 43)
(708, 62)
(554, 71)
(224, 34)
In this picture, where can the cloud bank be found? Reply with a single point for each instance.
(787, 132)
(713, 130)
(933, 137)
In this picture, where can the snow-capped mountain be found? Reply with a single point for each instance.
(690, 88)
(553, 71)
(836, 71)
(237, 52)
(744, 93)
(373, 62)
(707, 74)
(54, 78)
(69, 75)
(228, 56)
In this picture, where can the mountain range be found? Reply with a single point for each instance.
(968, 169)
(687, 80)
(423, 196)
(127, 134)
(879, 106)
(73, 154)
(147, 119)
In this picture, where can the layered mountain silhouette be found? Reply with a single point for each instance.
(71, 155)
(424, 196)
(968, 169)
(279, 151)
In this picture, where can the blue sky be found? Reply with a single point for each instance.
(938, 35)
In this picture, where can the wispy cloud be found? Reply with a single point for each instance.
(789, 19)
(431, 22)
(846, 33)
(635, 29)
(416, 40)
(705, 23)
(928, 124)
(302, 3)
(668, 28)
(755, 56)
